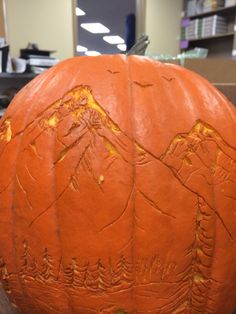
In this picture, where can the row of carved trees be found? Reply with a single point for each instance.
(90, 276)
(98, 276)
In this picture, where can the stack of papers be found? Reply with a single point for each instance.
(213, 25)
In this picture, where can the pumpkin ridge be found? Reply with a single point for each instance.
(134, 173)
(69, 302)
(14, 181)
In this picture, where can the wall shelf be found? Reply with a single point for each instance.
(221, 45)
(229, 34)
(222, 11)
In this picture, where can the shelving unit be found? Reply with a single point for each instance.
(219, 45)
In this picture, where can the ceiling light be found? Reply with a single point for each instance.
(80, 48)
(114, 40)
(79, 12)
(92, 53)
(122, 47)
(95, 28)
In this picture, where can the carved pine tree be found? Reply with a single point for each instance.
(89, 279)
(33, 269)
(97, 277)
(102, 280)
(79, 280)
(25, 258)
(47, 267)
(71, 273)
(123, 272)
(111, 274)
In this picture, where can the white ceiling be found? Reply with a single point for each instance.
(111, 13)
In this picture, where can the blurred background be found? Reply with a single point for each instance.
(60, 24)
(35, 35)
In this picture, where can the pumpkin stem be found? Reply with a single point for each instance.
(139, 48)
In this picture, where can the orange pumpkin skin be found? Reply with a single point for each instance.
(118, 191)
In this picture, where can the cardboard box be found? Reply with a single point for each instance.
(229, 90)
(220, 72)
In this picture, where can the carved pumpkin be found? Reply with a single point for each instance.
(117, 191)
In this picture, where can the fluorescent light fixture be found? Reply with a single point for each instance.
(79, 12)
(80, 48)
(95, 28)
(114, 40)
(122, 47)
(92, 53)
